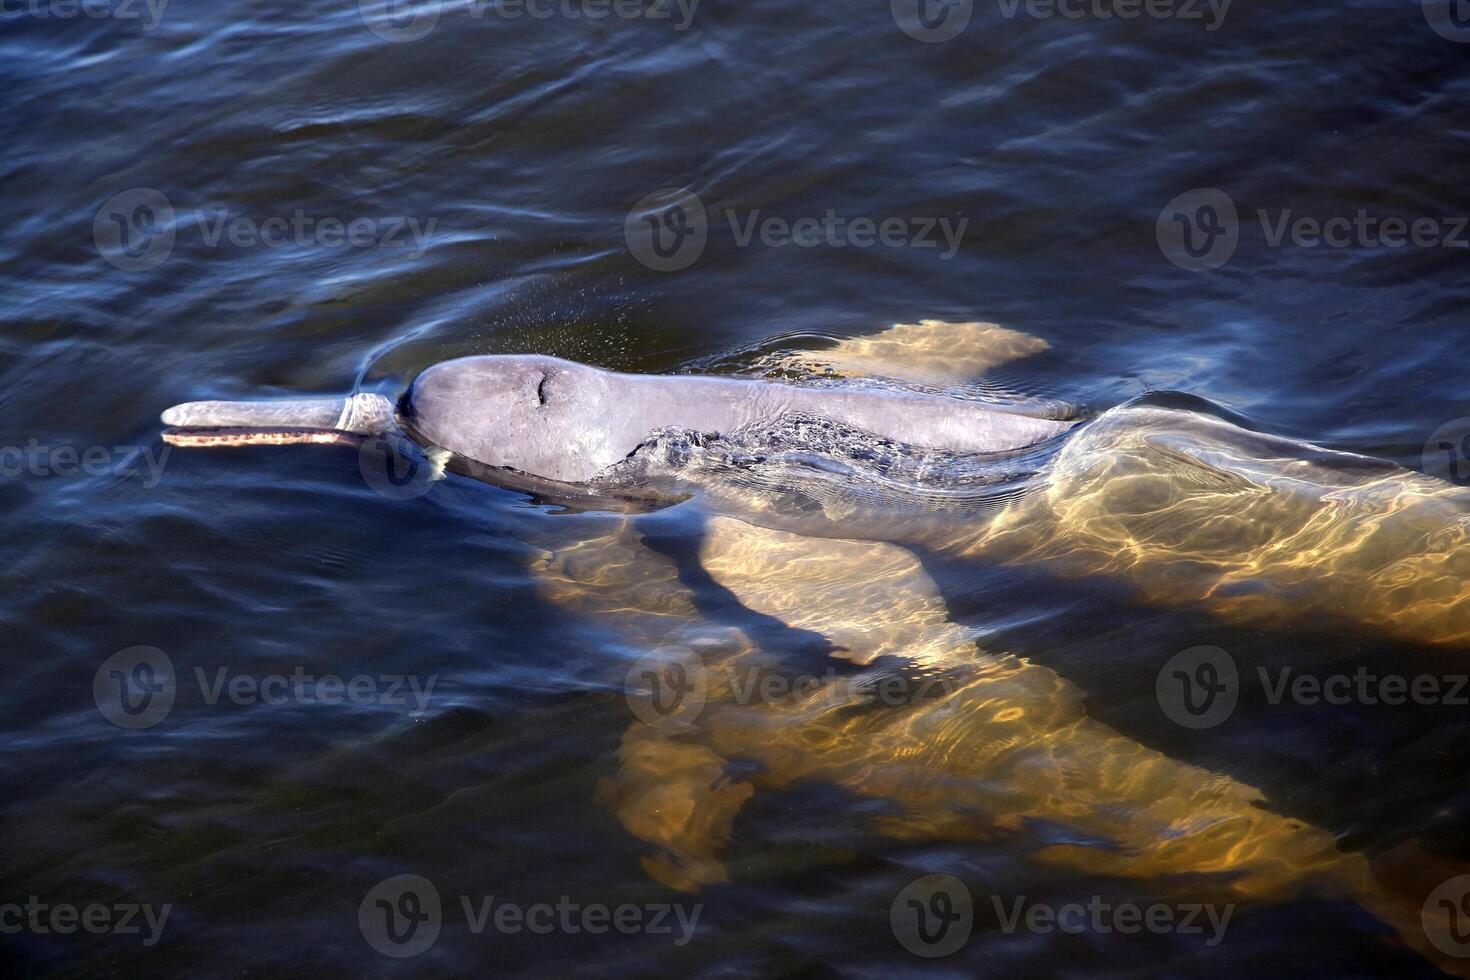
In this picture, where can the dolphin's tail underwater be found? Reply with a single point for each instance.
(279, 423)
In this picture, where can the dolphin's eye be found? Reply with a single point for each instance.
(541, 391)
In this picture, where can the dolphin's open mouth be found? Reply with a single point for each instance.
(202, 437)
(314, 421)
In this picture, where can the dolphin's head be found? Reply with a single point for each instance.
(541, 416)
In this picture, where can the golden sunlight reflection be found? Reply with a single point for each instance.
(978, 747)
(1260, 530)
(928, 352)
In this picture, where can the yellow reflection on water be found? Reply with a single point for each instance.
(1185, 507)
(998, 749)
(1191, 509)
(928, 352)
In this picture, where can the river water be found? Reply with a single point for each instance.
(1261, 206)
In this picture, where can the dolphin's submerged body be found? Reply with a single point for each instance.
(812, 496)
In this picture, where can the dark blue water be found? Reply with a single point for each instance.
(179, 189)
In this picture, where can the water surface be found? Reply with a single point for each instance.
(514, 149)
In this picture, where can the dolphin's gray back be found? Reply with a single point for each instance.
(589, 419)
(915, 418)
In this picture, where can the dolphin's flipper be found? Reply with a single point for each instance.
(1003, 745)
(870, 599)
(1000, 735)
(934, 352)
(997, 742)
(994, 747)
(669, 790)
(676, 796)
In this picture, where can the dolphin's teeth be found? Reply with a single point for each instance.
(197, 438)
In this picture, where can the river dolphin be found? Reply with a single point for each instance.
(1186, 504)
(559, 420)
(1189, 507)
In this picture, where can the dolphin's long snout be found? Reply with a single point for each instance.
(297, 420)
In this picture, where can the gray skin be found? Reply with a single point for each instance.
(563, 421)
